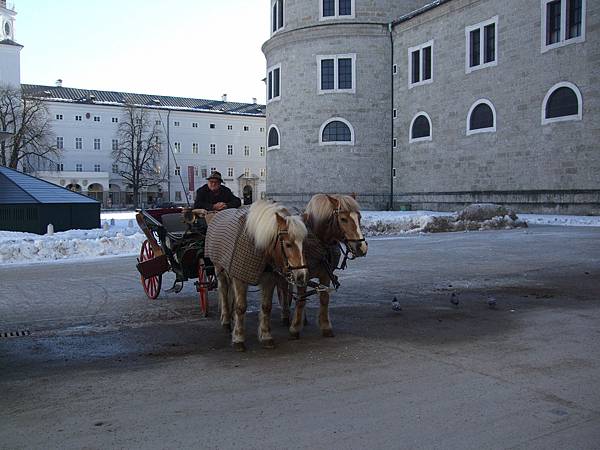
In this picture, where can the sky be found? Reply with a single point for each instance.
(187, 48)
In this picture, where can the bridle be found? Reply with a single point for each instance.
(288, 269)
(348, 252)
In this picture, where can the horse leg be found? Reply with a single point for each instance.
(239, 313)
(324, 322)
(224, 304)
(284, 301)
(298, 319)
(267, 286)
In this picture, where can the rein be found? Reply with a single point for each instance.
(287, 268)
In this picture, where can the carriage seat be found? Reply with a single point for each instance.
(174, 225)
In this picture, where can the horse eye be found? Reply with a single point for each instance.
(288, 245)
(344, 220)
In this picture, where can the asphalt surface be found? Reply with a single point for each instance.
(515, 364)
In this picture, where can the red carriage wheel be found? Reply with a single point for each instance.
(202, 284)
(151, 285)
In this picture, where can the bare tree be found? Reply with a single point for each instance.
(139, 152)
(27, 120)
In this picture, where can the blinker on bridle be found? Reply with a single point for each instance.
(287, 268)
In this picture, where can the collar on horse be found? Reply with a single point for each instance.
(348, 252)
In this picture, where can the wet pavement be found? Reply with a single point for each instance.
(514, 364)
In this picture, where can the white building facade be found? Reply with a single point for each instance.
(197, 137)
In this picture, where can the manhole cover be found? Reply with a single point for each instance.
(14, 334)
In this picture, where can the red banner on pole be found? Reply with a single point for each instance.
(191, 178)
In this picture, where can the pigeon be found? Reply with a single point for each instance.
(396, 305)
(454, 299)
(492, 302)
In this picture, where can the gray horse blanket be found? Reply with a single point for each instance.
(315, 252)
(231, 248)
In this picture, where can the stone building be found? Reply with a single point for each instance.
(420, 104)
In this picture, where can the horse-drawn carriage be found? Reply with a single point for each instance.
(174, 242)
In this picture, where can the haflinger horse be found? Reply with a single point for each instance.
(270, 235)
(331, 220)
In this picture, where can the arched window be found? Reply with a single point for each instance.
(273, 138)
(562, 102)
(336, 131)
(481, 118)
(420, 128)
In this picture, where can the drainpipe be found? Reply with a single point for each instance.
(168, 156)
(391, 202)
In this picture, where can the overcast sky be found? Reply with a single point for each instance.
(188, 48)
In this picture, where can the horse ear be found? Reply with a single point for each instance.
(334, 201)
(353, 195)
(281, 222)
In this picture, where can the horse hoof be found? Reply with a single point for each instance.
(294, 335)
(305, 321)
(286, 321)
(327, 333)
(239, 346)
(227, 327)
(269, 343)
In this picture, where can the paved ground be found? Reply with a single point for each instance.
(106, 368)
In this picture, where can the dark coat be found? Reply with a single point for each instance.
(205, 198)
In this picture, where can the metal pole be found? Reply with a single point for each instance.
(168, 156)
(391, 203)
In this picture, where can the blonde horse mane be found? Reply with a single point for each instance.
(261, 224)
(320, 209)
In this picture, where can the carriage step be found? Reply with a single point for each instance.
(14, 334)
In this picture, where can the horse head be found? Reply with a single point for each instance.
(337, 218)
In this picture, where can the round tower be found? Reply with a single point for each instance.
(329, 88)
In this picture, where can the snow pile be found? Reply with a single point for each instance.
(473, 218)
(117, 237)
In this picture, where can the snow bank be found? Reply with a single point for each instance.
(120, 234)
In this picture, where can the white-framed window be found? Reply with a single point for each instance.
(420, 128)
(177, 147)
(246, 150)
(78, 143)
(115, 144)
(336, 73)
(138, 121)
(230, 171)
(274, 83)
(481, 45)
(213, 149)
(60, 167)
(247, 172)
(96, 118)
(336, 9)
(230, 127)
(212, 126)
(563, 23)
(195, 148)
(78, 118)
(481, 117)
(157, 122)
(420, 64)
(213, 169)
(395, 69)
(277, 15)
(263, 172)
(177, 196)
(229, 149)
(194, 124)
(261, 130)
(563, 102)
(273, 138)
(394, 113)
(394, 172)
(115, 168)
(394, 143)
(115, 120)
(336, 131)
(97, 145)
(176, 123)
(195, 171)
(246, 128)
(78, 167)
(177, 170)
(261, 151)
(59, 117)
(97, 168)
(60, 143)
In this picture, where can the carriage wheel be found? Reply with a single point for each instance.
(151, 285)
(203, 287)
